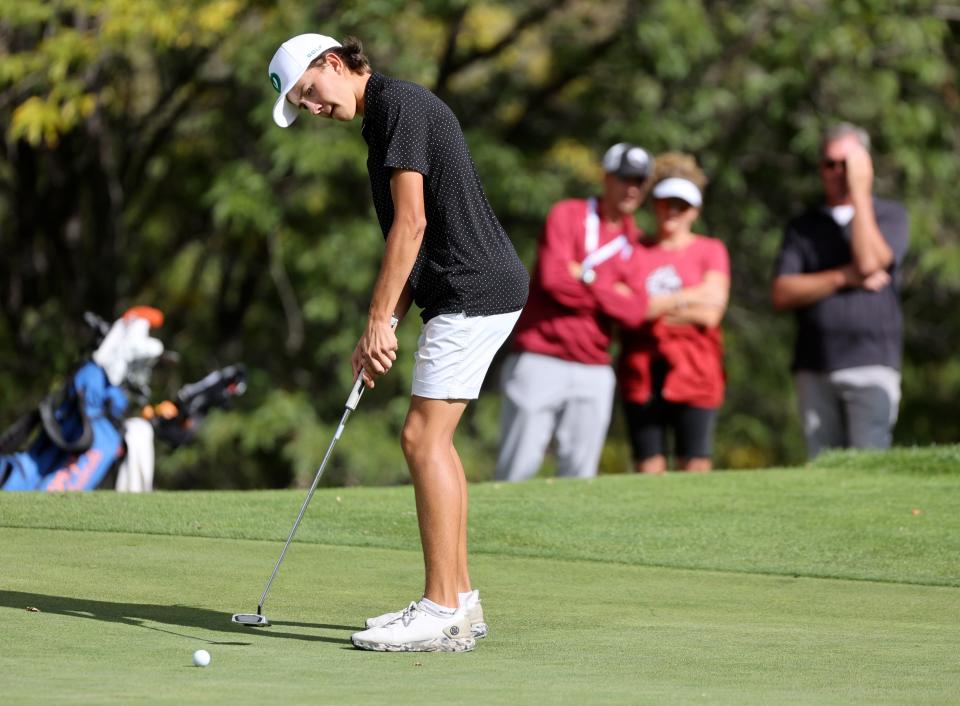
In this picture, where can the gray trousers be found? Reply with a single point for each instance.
(544, 399)
(849, 408)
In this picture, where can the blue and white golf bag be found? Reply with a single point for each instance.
(84, 433)
(82, 428)
(80, 441)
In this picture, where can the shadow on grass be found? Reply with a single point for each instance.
(145, 615)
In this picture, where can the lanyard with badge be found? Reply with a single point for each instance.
(591, 239)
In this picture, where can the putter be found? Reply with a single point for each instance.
(258, 619)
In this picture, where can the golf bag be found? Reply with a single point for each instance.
(173, 422)
(176, 422)
(83, 434)
(79, 441)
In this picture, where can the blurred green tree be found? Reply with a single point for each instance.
(140, 165)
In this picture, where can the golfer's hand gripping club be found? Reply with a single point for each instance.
(358, 384)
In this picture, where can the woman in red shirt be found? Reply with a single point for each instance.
(671, 368)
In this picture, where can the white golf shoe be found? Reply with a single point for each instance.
(478, 628)
(418, 630)
(475, 615)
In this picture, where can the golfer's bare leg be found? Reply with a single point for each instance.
(439, 484)
(463, 572)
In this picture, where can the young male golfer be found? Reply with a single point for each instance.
(446, 251)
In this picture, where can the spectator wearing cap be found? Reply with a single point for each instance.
(838, 271)
(671, 367)
(558, 384)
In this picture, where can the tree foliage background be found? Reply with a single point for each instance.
(140, 165)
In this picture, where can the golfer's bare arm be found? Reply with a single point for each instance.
(403, 244)
(403, 305)
(377, 348)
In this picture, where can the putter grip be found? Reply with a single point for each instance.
(358, 386)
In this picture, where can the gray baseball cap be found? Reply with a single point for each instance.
(628, 161)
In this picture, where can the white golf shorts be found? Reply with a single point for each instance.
(454, 353)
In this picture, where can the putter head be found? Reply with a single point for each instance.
(254, 620)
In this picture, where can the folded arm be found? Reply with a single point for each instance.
(703, 304)
(799, 290)
(558, 265)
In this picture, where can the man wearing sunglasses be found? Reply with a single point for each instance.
(838, 271)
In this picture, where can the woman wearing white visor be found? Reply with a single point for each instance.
(671, 368)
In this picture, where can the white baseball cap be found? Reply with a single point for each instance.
(627, 161)
(676, 188)
(288, 65)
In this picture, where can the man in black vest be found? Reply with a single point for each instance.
(447, 252)
(838, 270)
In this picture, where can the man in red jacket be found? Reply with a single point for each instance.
(558, 383)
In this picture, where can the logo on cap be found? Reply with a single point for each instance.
(275, 80)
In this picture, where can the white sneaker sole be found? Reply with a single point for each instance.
(479, 630)
(436, 644)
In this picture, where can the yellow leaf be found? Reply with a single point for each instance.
(35, 120)
(215, 16)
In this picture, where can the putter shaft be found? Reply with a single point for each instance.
(303, 508)
(355, 394)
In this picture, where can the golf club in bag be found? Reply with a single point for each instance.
(258, 619)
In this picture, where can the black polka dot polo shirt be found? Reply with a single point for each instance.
(466, 262)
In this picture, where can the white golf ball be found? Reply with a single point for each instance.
(201, 658)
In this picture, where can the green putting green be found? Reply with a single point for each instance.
(833, 584)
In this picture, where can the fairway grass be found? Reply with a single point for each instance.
(831, 585)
